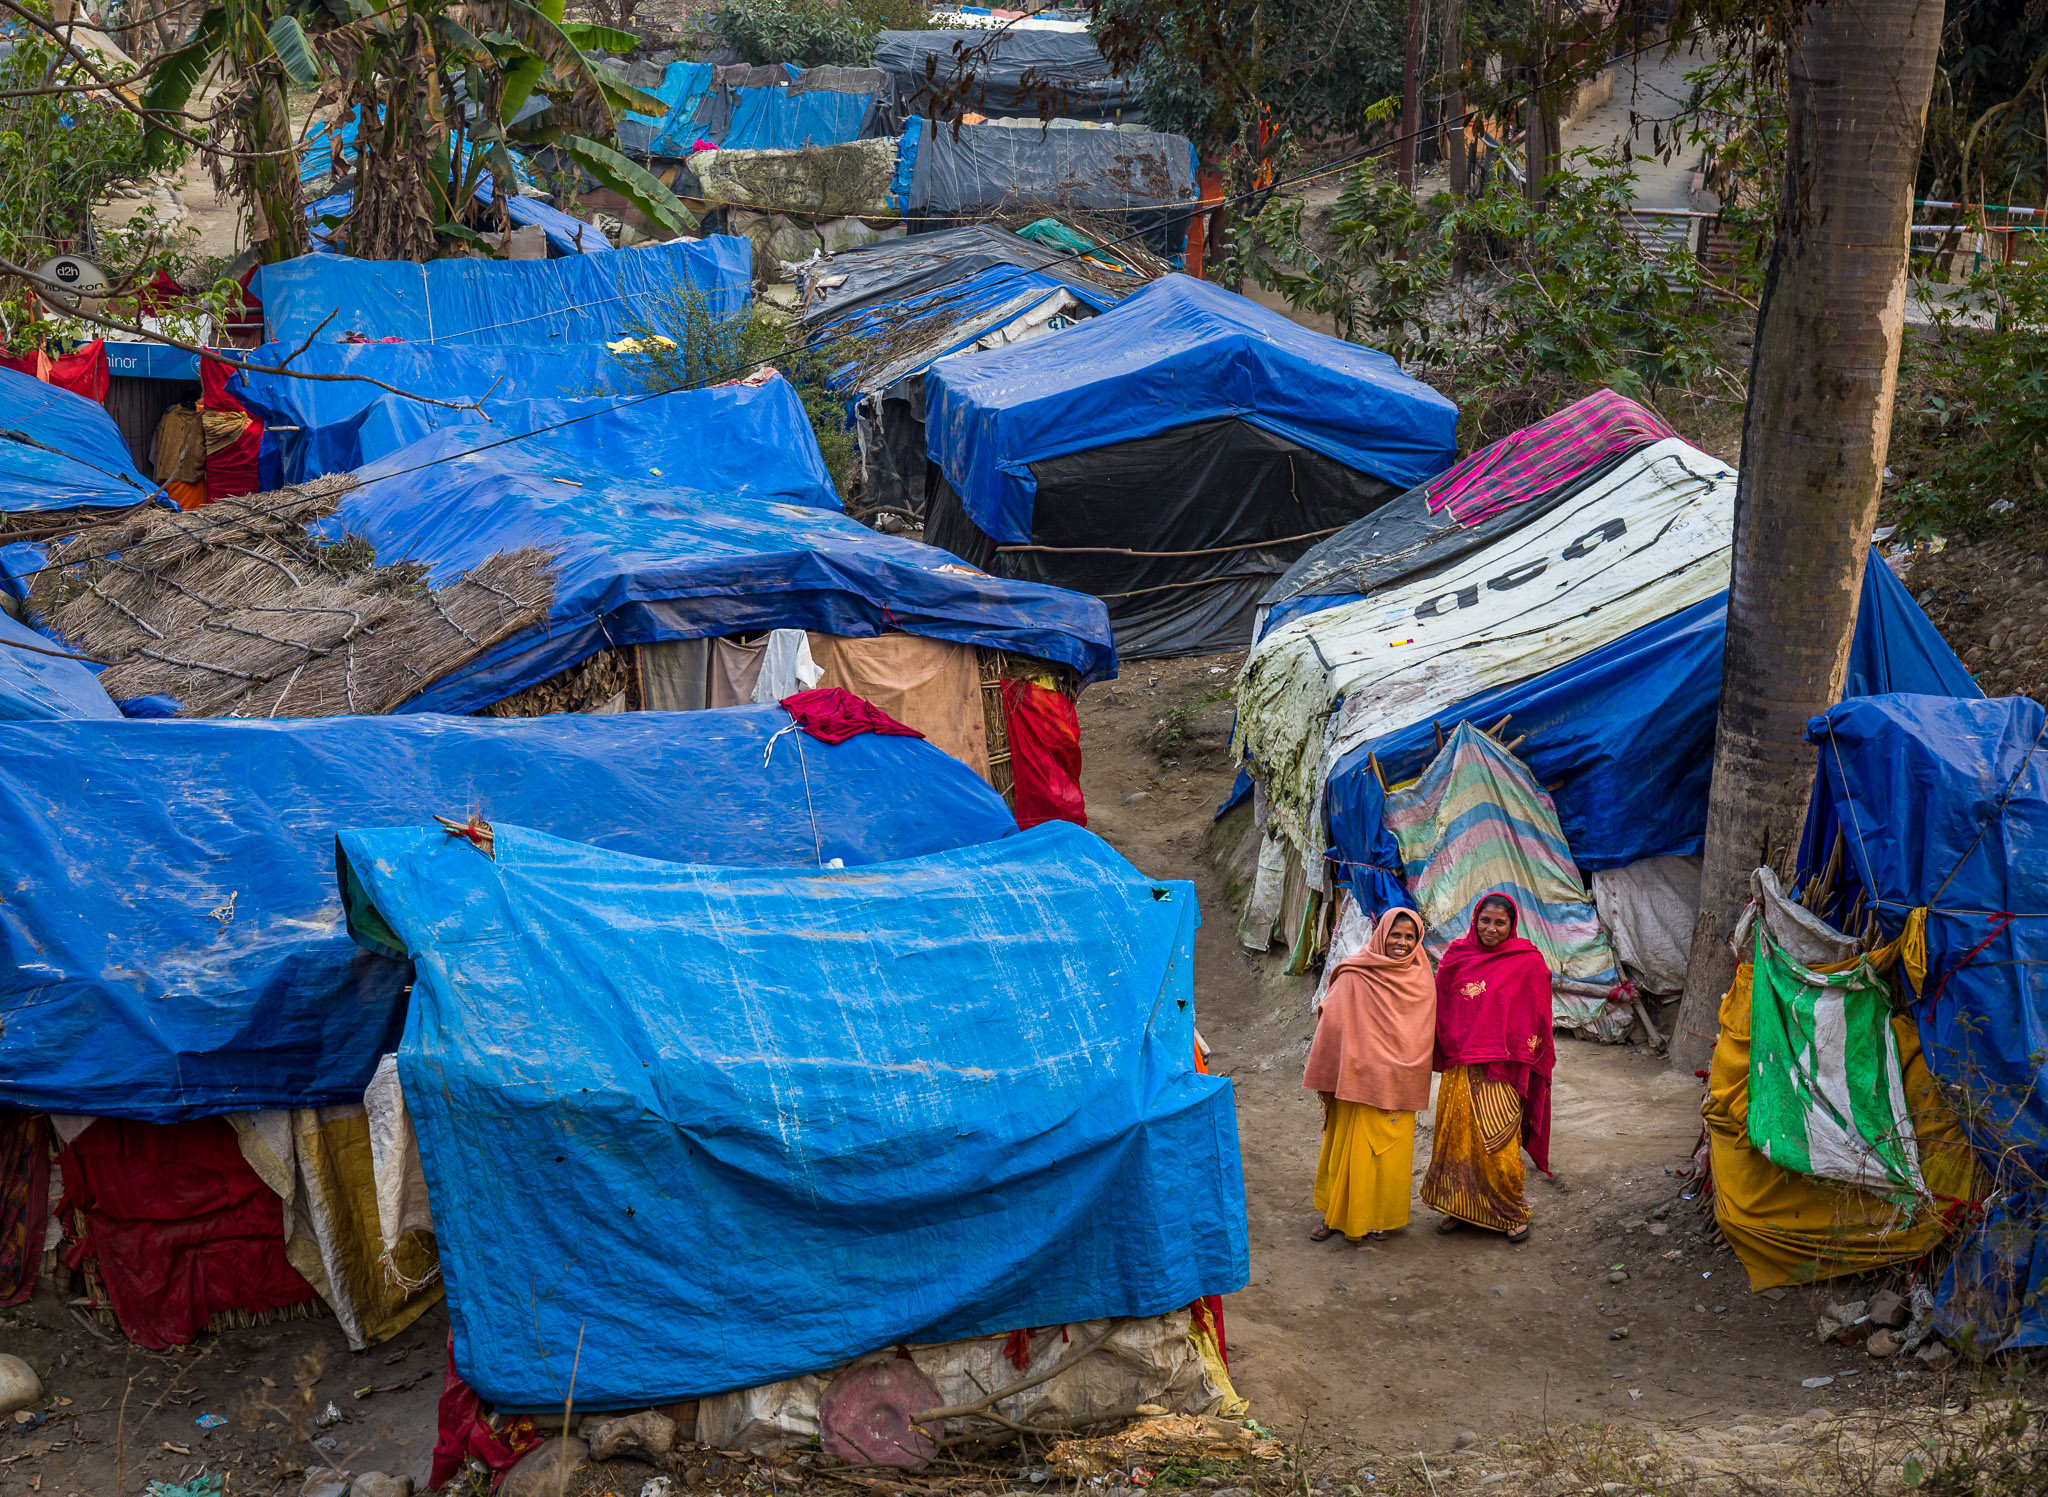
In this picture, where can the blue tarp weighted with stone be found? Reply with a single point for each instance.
(172, 945)
(770, 1121)
(535, 304)
(640, 560)
(1943, 804)
(1177, 352)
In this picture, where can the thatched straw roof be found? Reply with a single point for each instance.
(237, 612)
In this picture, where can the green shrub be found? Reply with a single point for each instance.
(1977, 385)
(811, 33)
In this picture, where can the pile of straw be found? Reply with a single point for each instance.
(235, 611)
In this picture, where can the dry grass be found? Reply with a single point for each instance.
(235, 611)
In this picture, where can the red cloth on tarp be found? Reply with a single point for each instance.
(1493, 1010)
(181, 1227)
(461, 1431)
(1045, 754)
(83, 371)
(24, 1201)
(831, 714)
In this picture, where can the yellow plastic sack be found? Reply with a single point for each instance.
(1794, 1229)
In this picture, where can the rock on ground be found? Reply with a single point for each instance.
(648, 1436)
(20, 1388)
(542, 1471)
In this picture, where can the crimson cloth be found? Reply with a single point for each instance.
(83, 371)
(1045, 754)
(1493, 1010)
(461, 1431)
(24, 1201)
(1541, 459)
(232, 470)
(213, 386)
(181, 1227)
(832, 714)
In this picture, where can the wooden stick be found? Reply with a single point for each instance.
(983, 1405)
(1643, 1013)
(1519, 741)
(1494, 731)
(1377, 773)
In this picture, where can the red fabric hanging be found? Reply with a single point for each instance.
(832, 714)
(1045, 754)
(24, 1202)
(213, 386)
(232, 470)
(180, 1225)
(82, 372)
(462, 1431)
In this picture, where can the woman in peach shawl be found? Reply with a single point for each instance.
(1370, 1062)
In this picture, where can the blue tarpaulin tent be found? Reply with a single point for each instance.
(779, 119)
(311, 425)
(37, 683)
(527, 303)
(61, 451)
(640, 560)
(749, 440)
(327, 236)
(773, 1121)
(1942, 805)
(1624, 734)
(1177, 352)
(171, 944)
(682, 85)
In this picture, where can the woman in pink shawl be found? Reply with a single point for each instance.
(1494, 1047)
(1370, 1063)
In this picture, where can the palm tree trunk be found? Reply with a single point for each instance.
(1819, 420)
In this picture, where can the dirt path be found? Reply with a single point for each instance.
(1405, 1345)
(1363, 1355)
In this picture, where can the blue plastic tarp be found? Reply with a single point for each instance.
(172, 944)
(682, 85)
(748, 440)
(1177, 352)
(61, 451)
(775, 119)
(312, 424)
(1943, 805)
(640, 560)
(772, 1121)
(35, 684)
(565, 235)
(526, 303)
(1625, 733)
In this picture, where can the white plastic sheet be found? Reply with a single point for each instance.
(1648, 909)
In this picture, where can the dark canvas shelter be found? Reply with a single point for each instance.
(1002, 73)
(1172, 456)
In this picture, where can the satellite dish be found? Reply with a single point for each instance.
(82, 281)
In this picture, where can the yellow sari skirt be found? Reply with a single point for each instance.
(1365, 1174)
(1475, 1161)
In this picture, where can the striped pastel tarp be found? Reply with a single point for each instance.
(1476, 822)
(1543, 458)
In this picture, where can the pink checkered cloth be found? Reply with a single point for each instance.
(1541, 459)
